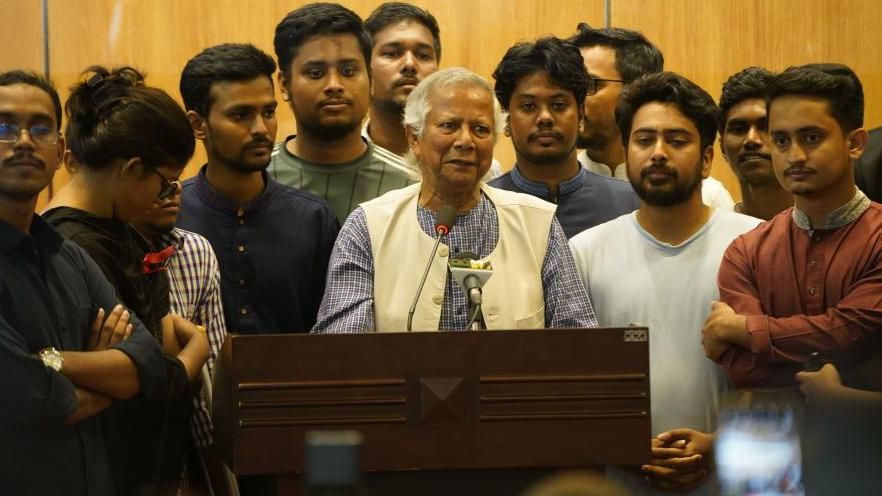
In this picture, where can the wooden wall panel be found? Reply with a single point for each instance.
(161, 35)
(23, 45)
(709, 41)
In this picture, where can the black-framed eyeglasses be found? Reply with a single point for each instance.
(167, 187)
(40, 134)
(593, 86)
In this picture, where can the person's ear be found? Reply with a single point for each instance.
(283, 86)
(198, 123)
(131, 167)
(413, 141)
(707, 160)
(857, 141)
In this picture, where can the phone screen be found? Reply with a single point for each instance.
(758, 452)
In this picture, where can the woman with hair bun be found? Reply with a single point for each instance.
(127, 145)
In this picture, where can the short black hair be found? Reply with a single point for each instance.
(226, 62)
(391, 13)
(752, 82)
(560, 59)
(835, 83)
(316, 19)
(669, 88)
(114, 115)
(635, 55)
(18, 76)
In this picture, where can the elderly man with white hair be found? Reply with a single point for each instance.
(452, 124)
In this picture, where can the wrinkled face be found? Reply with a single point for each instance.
(328, 86)
(810, 152)
(456, 145)
(745, 142)
(664, 156)
(599, 120)
(403, 55)
(27, 165)
(241, 125)
(543, 120)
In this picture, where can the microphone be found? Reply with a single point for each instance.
(471, 275)
(443, 225)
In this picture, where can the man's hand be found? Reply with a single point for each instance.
(819, 384)
(722, 329)
(681, 459)
(107, 332)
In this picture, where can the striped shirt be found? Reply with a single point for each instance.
(194, 278)
(343, 186)
(349, 297)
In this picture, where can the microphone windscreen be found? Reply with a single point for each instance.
(446, 219)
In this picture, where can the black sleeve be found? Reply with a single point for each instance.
(140, 346)
(330, 227)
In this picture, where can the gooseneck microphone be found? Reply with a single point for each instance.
(445, 222)
(471, 275)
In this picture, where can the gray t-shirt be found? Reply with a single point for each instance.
(344, 186)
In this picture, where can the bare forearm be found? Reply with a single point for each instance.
(110, 372)
(89, 404)
(194, 347)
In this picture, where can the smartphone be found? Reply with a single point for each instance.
(758, 452)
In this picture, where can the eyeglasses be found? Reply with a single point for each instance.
(593, 87)
(167, 188)
(40, 134)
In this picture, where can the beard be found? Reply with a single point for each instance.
(678, 192)
(548, 156)
(328, 132)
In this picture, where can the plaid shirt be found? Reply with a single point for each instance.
(348, 305)
(194, 278)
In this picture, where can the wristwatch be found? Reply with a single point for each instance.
(52, 358)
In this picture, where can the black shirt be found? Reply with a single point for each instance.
(273, 253)
(584, 201)
(868, 168)
(50, 291)
(118, 250)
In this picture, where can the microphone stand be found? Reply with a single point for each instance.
(423, 281)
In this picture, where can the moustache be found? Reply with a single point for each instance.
(406, 81)
(335, 101)
(259, 143)
(750, 155)
(545, 134)
(25, 159)
(658, 169)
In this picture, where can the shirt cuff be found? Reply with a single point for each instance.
(760, 339)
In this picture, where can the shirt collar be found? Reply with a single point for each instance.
(41, 232)
(541, 189)
(843, 215)
(172, 237)
(223, 203)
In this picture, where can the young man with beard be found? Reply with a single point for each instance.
(613, 58)
(657, 266)
(809, 280)
(324, 58)
(542, 87)
(744, 143)
(68, 351)
(272, 242)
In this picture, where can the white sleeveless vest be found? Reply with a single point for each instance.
(513, 297)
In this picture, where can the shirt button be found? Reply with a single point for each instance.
(437, 299)
(241, 282)
(812, 291)
(816, 238)
(443, 251)
(243, 311)
(240, 249)
(812, 264)
(241, 222)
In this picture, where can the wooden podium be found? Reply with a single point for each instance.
(437, 402)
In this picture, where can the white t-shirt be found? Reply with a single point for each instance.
(713, 193)
(635, 279)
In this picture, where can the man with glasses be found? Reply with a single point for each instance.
(542, 86)
(68, 349)
(613, 58)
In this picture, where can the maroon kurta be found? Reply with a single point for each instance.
(803, 291)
